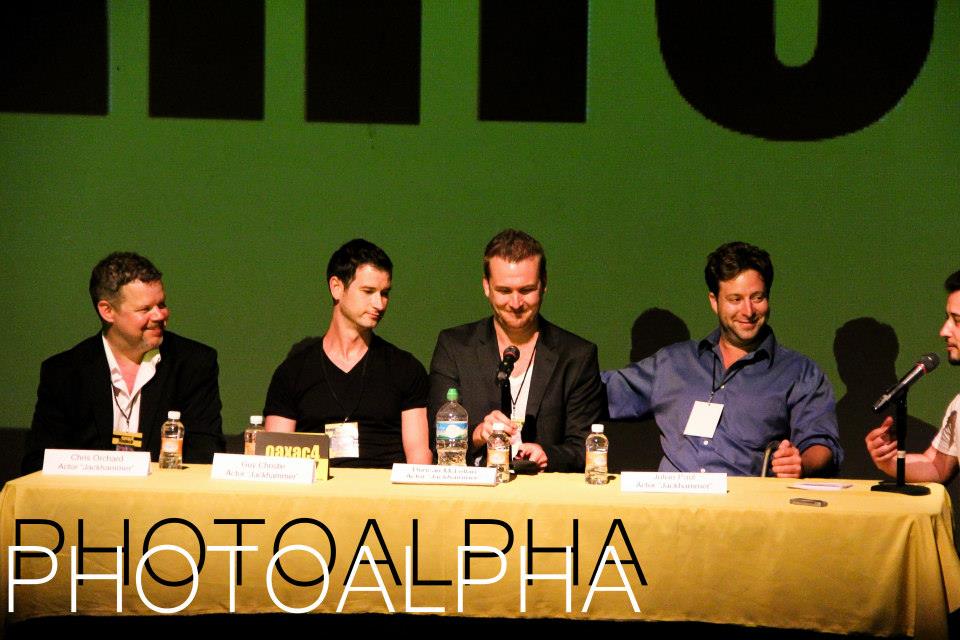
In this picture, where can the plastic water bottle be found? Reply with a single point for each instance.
(597, 446)
(250, 435)
(171, 442)
(498, 452)
(452, 429)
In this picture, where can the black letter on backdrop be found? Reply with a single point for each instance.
(721, 56)
(363, 61)
(206, 59)
(533, 60)
(53, 57)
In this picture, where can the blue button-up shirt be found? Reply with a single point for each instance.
(770, 394)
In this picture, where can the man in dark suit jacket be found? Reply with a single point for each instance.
(555, 390)
(126, 378)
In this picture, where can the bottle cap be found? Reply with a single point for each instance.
(499, 426)
(173, 415)
(452, 394)
(596, 428)
(256, 419)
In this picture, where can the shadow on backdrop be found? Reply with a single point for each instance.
(653, 330)
(635, 445)
(866, 352)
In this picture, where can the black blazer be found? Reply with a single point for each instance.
(75, 401)
(565, 396)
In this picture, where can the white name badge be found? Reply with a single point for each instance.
(672, 482)
(83, 462)
(516, 439)
(234, 466)
(442, 474)
(703, 419)
(344, 439)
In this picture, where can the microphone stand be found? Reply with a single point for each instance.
(900, 486)
(506, 401)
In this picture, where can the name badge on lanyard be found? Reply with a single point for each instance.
(703, 419)
(127, 440)
(344, 439)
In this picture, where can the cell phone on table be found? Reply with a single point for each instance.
(808, 502)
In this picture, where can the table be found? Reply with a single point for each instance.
(868, 562)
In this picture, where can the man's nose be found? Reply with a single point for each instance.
(946, 329)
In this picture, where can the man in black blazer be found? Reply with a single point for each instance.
(124, 379)
(555, 392)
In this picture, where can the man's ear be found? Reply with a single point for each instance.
(106, 311)
(336, 288)
(713, 301)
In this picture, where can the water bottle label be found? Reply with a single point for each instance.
(449, 431)
(596, 459)
(172, 445)
(497, 457)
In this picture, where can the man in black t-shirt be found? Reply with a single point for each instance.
(367, 394)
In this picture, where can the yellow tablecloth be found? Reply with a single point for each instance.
(868, 562)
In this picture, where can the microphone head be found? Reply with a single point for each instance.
(512, 354)
(929, 362)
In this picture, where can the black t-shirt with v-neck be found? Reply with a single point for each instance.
(309, 388)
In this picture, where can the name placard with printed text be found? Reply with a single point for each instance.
(672, 482)
(442, 474)
(84, 462)
(234, 466)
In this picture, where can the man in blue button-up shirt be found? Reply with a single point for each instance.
(721, 401)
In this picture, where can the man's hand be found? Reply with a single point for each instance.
(533, 452)
(786, 461)
(882, 446)
(482, 431)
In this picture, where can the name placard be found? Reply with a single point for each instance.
(84, 462)
(442, 474)
(234, 466)
(672, 482)
(310, 446)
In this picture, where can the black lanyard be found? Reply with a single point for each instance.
(723, 381)
(363, 382)
(514, 400)
(129, 412)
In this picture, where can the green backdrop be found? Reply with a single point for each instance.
(242, 216)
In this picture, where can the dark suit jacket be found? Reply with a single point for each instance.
(566, 395)
(75, 402)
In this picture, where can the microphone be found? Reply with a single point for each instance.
(510, 355)
(924, 365)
